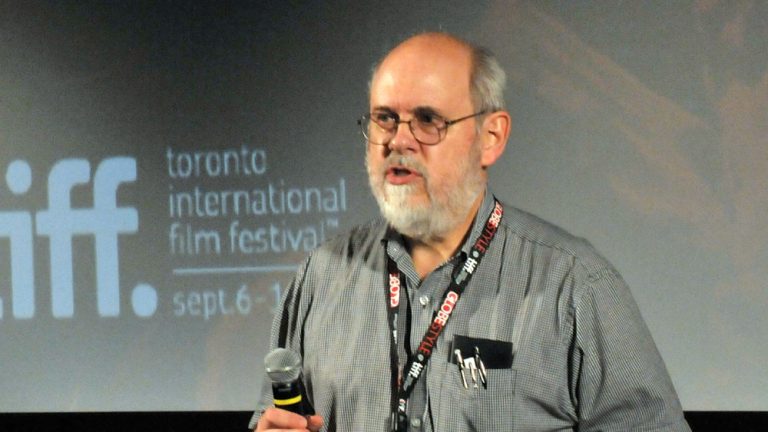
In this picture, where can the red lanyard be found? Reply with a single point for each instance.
(414, 366)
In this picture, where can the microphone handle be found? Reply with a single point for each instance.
(291, 397)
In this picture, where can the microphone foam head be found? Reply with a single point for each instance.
(283, 366)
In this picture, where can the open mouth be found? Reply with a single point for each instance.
(400, 172)
(401, 175)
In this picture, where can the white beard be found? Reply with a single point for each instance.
(449, 204)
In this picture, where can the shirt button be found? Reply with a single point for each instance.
(416, 423)
(424, 300)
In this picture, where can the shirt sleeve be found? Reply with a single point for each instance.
(620, 381)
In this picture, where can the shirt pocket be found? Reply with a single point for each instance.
(478, 407)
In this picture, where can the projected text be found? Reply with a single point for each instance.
(60, 223)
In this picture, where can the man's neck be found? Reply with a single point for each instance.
(428, 255)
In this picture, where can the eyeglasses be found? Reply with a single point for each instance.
(428, 128)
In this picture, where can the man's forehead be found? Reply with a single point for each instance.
(429, 53)
(425, 72)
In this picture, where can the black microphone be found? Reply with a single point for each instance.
(284, 370)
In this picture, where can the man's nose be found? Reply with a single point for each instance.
(403, 141)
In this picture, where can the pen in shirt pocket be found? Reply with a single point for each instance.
(462, 367)
(476, 368)
(481, 367)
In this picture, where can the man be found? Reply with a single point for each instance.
(454, 312)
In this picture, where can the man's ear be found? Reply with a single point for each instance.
(493, 138)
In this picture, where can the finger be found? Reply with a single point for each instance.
(314, 423)
(276, 418)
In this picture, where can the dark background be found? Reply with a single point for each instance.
(700, 421)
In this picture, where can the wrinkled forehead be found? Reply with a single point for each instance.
(424, 72)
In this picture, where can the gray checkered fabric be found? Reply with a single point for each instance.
(582, 357)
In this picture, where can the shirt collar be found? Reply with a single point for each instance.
(488, 204)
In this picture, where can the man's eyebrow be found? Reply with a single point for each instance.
(382, 108)
(425, 109)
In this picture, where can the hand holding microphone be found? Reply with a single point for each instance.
(278, 419)
(292, 411)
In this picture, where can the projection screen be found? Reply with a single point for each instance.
(166, 166)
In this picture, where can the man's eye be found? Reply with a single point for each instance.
(425, 118)
(428, 119)
(383, 118)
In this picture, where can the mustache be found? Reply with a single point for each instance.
(404, 162)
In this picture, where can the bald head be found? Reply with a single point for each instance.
(480, 71)
(428, 50)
